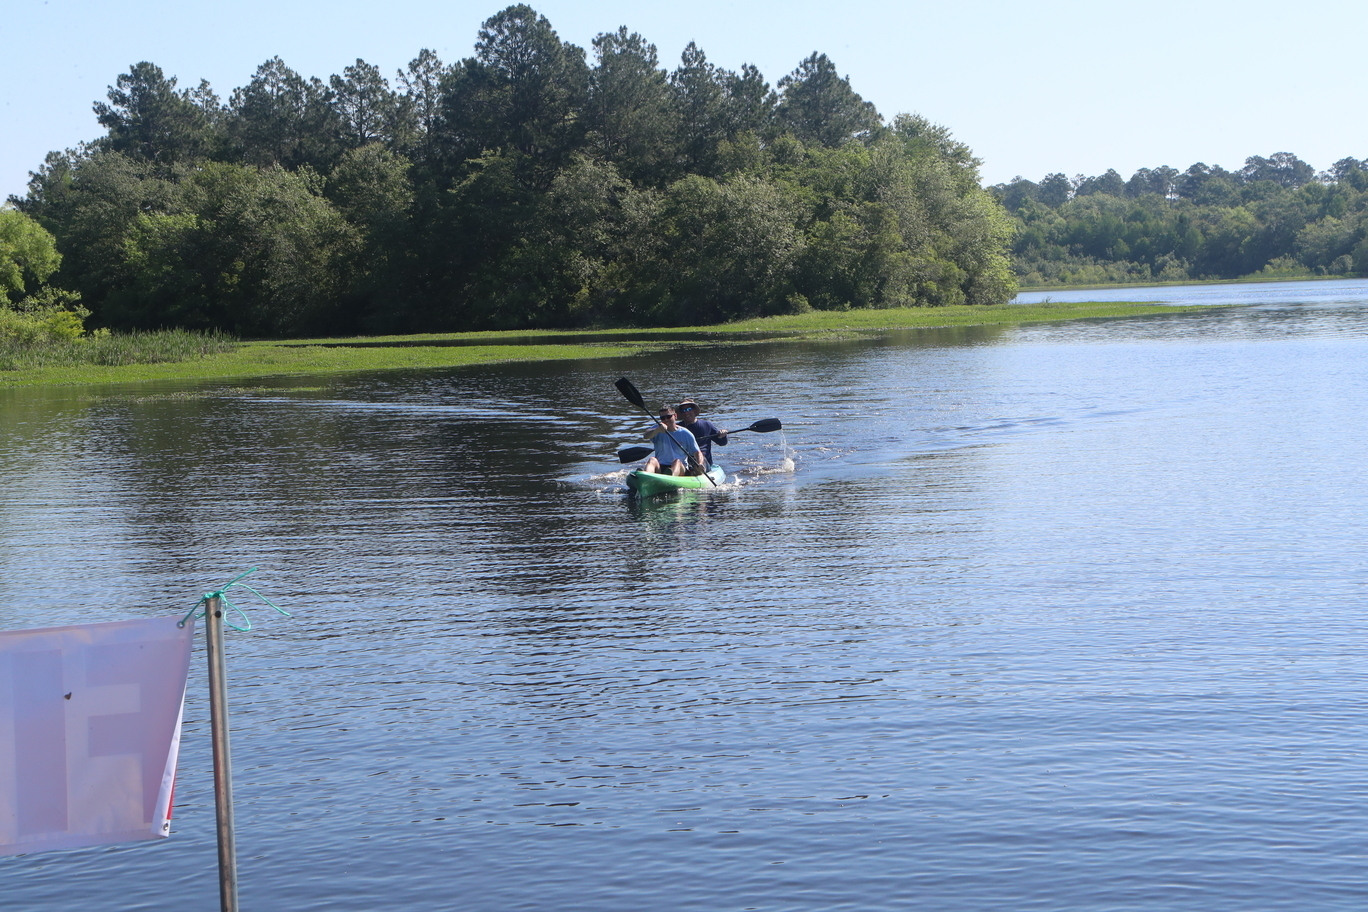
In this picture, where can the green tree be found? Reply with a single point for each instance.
(1194, 178)
(902, 222)
(421, 106)
(28, 255)
(607, 237)
(1161, 181)
(370, 187)
(854, 258)
(1350, 172)
(1280, 220)
(718, 112)
(729, 250)
(978, 238)
(466, 237)
(1055, 190)
(372, 190)
(1328, 245)
(172, 264)
(367, 109)
(1110, 184)
(147, 118)
(524, 91)
(258, 252)
(632, 121)
(578, 258)
(1219, 190)
(1226, 253)
(1282, 168)
(88, 199)
(922, 138)
(700, 100)
(281, 118)
(1017, 194)
(954, 233)
(818, 105)
(749, 102)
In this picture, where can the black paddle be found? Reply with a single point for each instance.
(634, 396)
(763, 426)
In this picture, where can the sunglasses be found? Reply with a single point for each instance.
(689, 408)
(667, 417)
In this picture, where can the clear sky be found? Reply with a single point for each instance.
(1032, 88)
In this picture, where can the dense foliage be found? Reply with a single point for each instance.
(1274, 217)
(33, 313)
(28, 255)
(522, 187)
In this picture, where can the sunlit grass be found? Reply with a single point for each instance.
(190, 356)
(827, 321)
(261, 359)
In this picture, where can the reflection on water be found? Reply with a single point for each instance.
(1055, 617)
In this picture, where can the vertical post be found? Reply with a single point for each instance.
(223, 773)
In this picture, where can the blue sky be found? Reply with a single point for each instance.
(1032, 88)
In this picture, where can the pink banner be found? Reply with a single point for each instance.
(90, 723)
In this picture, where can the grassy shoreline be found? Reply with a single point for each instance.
(305, 357)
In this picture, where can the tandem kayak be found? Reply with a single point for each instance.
(648, 483)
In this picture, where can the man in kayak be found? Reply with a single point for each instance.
(674, 447)
(704, 431)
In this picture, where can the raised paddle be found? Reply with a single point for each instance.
(763, 426)
(634, 396)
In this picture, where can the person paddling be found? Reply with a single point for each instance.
(675, 447)
(704, 431)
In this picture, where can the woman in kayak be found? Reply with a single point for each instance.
(674, 447)
(704, 431)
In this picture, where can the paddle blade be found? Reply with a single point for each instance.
(627, 389)
(634, 454)
(763, 426)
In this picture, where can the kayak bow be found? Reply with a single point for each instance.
(648, 483)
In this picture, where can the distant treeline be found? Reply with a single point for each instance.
(1274, 217)
(525, 186)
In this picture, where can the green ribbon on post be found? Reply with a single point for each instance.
(222, 595)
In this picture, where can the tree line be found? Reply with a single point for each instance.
(524, 186)
(1276, 216)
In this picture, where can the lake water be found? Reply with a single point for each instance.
(1062, 616)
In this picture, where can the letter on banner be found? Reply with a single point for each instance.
(90, 722)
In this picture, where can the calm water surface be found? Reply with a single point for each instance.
(1055, 617)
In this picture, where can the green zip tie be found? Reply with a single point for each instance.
(222, 595)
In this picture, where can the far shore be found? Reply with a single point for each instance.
(311, 357)
(1245, 280)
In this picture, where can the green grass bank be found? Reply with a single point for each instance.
(305, 357)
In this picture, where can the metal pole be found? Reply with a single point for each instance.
(223, 773)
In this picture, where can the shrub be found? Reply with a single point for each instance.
(43, 318)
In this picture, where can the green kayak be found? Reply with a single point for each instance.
(648, 483)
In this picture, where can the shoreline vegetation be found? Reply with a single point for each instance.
(1275, 219)
(176, 356)
(535, 184)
